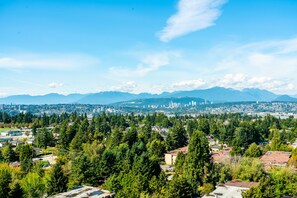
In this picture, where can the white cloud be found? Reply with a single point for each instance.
(152, 62)
(129, 86)
(192, 15)
(55, 85)
(189, 85)
(148, 64)
(277, 59)
(237, 81)
(240, 81)
(46, 61)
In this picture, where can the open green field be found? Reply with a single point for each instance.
(5, 129)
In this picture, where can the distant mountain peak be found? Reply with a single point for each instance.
(285, 98)
(214, 94)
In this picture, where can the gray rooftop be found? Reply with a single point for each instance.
(85, 192)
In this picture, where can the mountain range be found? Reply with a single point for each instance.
(215, 94)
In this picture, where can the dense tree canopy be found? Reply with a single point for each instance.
(123, 154)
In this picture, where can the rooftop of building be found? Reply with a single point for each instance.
(219, 156)
(183, 150)
(275, 157)
(241, 184)
(85, 191)
(232, 189)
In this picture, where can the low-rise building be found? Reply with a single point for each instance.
(231, 189)
(15, 164)
(3, 134)
(5, 139)
(215, 148)
(85, 191)
(170, 157)
(221, 155)
(15, 143)
(2, 144)
(275, 158)
(15, 133)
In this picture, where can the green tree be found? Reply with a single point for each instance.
(207, 188)
(177, 137)
(130, 136)
(253, 151)
(63, 137)
(145, 133)
(203, 125)
(276, 142)
(285, 181)
(293, 159)
(246, 169)
(57, 181)
(44, 138)
(8, 153)
(15, 190)
(179, 163)
(115, 138)
(266, 189)
(33, 185)
(236, 150)
(5, 179)
(26, 157)
(197, 160)
(156, 148)
(179, 187)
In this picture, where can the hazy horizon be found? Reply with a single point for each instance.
(89, 93)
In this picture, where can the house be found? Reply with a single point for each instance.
(275, 158)
(221, 155)
(211, 140)
(15, 164)
(170, 157)
(85, 191)
(231, 189)
(51, 159)
(161, 130)
(215, 148)
(2, 144)
(15, 143)
(3, 134)
(5, 139)
(15, 133)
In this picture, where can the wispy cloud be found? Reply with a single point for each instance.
(55, 85)
(147, 64)
(46, 61)
(129, 86)
(191, 16)
(276, 58)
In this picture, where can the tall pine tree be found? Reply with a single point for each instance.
(197, 160)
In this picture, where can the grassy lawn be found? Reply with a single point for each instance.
(5, 129)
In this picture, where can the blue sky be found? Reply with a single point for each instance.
(86, 46)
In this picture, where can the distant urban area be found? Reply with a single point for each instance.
(278, 109)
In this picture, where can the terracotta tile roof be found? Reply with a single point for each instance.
(241, 184)
(275, 158)
(184, 150)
